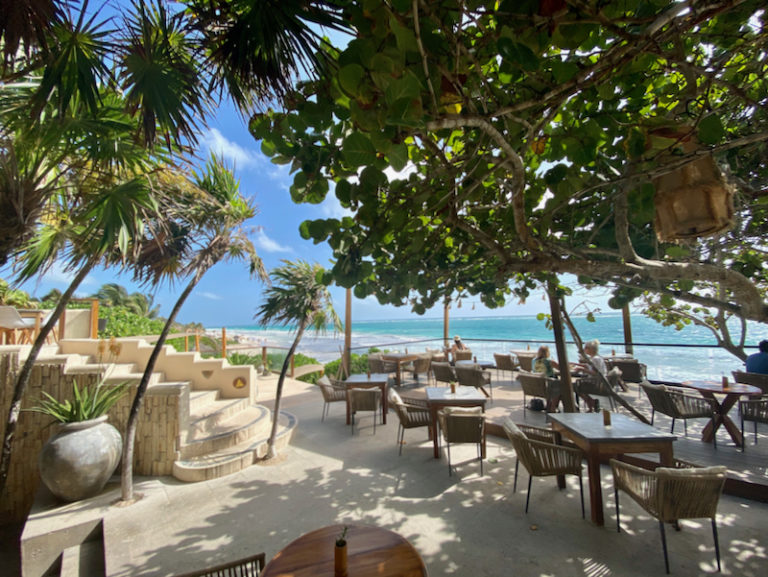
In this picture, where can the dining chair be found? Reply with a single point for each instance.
(11, 321)
(474, 376)
(443, 372)
(670, 494)
(247, 567)
(420, 366)
(536, 450)
(365, 400)
(537, 385)
(333, 392)
(462, 425)
(679, 404)
(465, 355)
(755, 379)
(755, 410)
(411, 416)
(504, 362)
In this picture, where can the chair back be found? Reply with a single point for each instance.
(462, 355)
(523, 450)
(660, 400)
(691, 493)
(422, 364)
(330, 394)
(11, 319)
(504, 362)
(443, 372)
(248, 567)
(375, 364)
(632, 370)
(533, 384)
(469, 375)
(364, 399)
(754, 379)
(462, 425)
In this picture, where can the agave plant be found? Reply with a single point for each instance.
(87, 403)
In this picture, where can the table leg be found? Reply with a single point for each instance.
(666, 455)
(397, 373)
(595, 491)
(384, 403)
(722, 418)
(349, 413)
(433, 428)
(560, 478)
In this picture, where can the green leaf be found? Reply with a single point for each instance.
(350, 77)
(518, 53)
(711, 130)
(358, 150)
(408, 87)
(398, 156)
(563, 71)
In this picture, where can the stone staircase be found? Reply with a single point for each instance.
(217, 435)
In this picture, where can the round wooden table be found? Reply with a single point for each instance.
(732, 393)
(371, 551)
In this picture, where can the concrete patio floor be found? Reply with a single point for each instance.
(465, 524)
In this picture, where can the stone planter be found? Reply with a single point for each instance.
(78, 460)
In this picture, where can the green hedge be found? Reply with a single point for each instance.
(123, 323)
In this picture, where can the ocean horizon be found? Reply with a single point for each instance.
(691, 353)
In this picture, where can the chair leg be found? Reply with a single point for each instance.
(672, 428)
(664, 545)
(449, 458)
(685, 427)
(514, 487)
(717, 543)
(528, 496)
(755, 425)
(653, 414)
(480, 457)
(400, 437)
(325, 408)
(581, 494)
(618, 513)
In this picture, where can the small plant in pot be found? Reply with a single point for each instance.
(81, 456)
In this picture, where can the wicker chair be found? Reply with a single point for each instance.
(465, 355)
(755, 379)
(670, 494)
(755, 410)
(505, 362)
(539, 386)
(679, 404)
(593, 386)
(443, 372)
(632, 370)
(248, 567)
(411, 416)
(420, 366)
(537, 451)
(462, 425)
(332, 393)
(365, 400)
(474, 376)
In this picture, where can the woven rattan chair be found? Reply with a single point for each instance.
(592, 386)
(755, 410)
(248, 567)
(465, 355)
(365, 400)
(505, 362)
(755, 379)
(411, 416)
(542, 458)
(539, 386)
(420, 366)
(332, 393)
(671, 494)
(443, 372)
(462, 425)
(474, 376)
(679, 404)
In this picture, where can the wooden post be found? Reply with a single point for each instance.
(264, 355)
(346, 361)
(94, 319)
(62, 323)
(446, 315)
(186, 343)
(566, 386)
(223, 342)
(628, 348)
(197, 341)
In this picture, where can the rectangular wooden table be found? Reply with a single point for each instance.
(399, 359)
(438, 397)
(361, 381)
(600, 442)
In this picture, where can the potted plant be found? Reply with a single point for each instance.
(83, 453)
(340, 554)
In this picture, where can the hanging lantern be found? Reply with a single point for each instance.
(692, 201)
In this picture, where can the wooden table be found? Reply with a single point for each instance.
(399, 359)
(599, 443)
(371, 551)
(438, 397)
(361, 381)
(732, 393)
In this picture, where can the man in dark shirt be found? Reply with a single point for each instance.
(758, 362)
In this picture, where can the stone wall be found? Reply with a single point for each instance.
(157, 437)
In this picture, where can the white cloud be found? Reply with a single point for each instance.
(266, 244)
(230, 151)
(331, 207)
(210, 296)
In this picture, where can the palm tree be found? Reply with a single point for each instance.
(112, 295)
(297, 297)
(211, 222)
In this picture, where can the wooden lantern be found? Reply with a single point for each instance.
(692, 201)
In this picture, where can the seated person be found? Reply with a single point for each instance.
(458, 345)
(758, 362)
(597, 366)
(543, 364)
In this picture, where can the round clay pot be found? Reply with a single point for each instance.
(78, 460)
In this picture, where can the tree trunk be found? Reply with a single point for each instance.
(566, 384)
(22, 380)
(126, 475)
(271, 451)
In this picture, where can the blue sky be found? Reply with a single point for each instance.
(226, 296)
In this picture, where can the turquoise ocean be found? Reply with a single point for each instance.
(691, 353)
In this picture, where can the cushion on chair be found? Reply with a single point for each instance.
(695, 472)
(324, 380)
(394, 397)
(462, 410)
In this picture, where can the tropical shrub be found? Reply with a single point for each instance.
(123, 323)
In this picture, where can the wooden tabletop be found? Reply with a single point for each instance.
(717, 387)
(360, 378)
(590, 426)
(371, 551)
(463, 394)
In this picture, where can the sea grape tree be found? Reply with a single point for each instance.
(479, 144)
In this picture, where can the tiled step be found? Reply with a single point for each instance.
(198, 399)
(235, 458)
(205, 418)
(241, 427)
